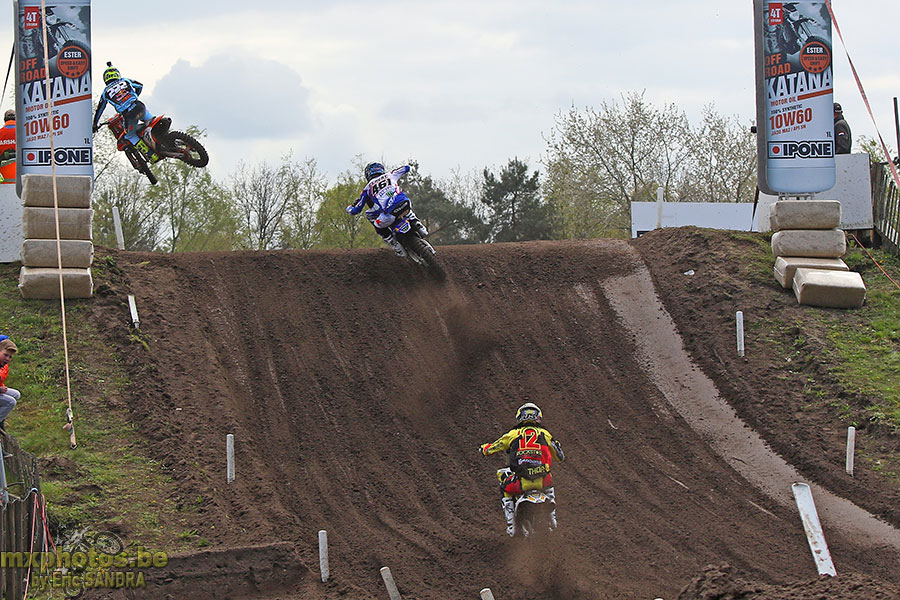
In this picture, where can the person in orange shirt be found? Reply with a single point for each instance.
(8, 396)
(8, 148)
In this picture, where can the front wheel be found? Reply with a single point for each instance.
(140, 163)
(184, 147)
(426, 252)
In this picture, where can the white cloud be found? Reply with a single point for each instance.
(236, 96)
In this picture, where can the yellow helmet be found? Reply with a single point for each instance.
(111, 73)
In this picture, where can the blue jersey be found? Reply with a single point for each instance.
(380, 190)
(121, 93)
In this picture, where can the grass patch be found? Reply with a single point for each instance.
(867, 341)
(109, 482)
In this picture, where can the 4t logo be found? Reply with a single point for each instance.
(32, 17)
(776, 13)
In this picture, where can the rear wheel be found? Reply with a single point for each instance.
(184, 147)
(140, 163)
(424, 250)
(533, 520)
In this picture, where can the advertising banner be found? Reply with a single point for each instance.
(794, 97)
(66, 111)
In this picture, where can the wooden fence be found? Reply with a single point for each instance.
(886, 207)
(19, 478)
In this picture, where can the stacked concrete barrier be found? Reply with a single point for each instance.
(808, 246)
(39, 277)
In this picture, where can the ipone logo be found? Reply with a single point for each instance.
(40, 157)
(812, 149)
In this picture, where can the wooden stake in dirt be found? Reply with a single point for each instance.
(739, 317)
(486, 594)
(323, 555)
(393, 592)
(659, 207)
(851, 449)
(229, 457)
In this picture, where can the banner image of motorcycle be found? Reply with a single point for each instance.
(794, 83)
(69, 67)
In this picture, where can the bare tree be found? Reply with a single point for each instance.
(263, 193)
(298, 229)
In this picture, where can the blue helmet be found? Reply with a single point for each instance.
(374, 170)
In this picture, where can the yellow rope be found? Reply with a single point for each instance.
(70, 426)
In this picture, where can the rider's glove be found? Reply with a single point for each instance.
(559, 451)
(354, 209)
(482, 448)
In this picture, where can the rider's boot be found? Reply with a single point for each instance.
(420, 227)
(509, 511)
(396, 246)
(552, 494)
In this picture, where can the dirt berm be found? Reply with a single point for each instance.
(359, 391)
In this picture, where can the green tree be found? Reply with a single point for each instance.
(199, 213)
(448, 221)
(722, 163)
(338, 229)
(298, 227)
(142, 220)
(517, 211)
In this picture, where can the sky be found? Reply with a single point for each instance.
(455, 85)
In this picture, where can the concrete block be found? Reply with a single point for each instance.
(786, 266)
(72, 191)
(40, 223)
(826, 243)
(38, 283)
(830, 289)
(805, 214)
(42, 253)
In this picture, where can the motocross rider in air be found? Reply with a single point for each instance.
(123, 94)
(379, 190)
(531, 451)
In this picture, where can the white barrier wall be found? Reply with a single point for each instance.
(715, 215)
(853, 190)
(11, 210)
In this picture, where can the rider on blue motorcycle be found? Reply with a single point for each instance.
(531, 451)
(123, 94)
(380, 188)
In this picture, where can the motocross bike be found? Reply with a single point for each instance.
(156, 143)
(410, 237)
(534, 510)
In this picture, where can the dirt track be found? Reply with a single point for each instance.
(359, 392)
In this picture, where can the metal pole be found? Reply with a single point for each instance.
(897, 125)
(659, 207)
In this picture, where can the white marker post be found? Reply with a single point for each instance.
(323, 555)
(739, 318)
(486, 594)
(229, 452)
(393, 592)
(851, 449)
(813, 528)
(117, 225)
(132, 306)
(659, 207)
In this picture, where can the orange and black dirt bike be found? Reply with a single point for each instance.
(156, 143)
